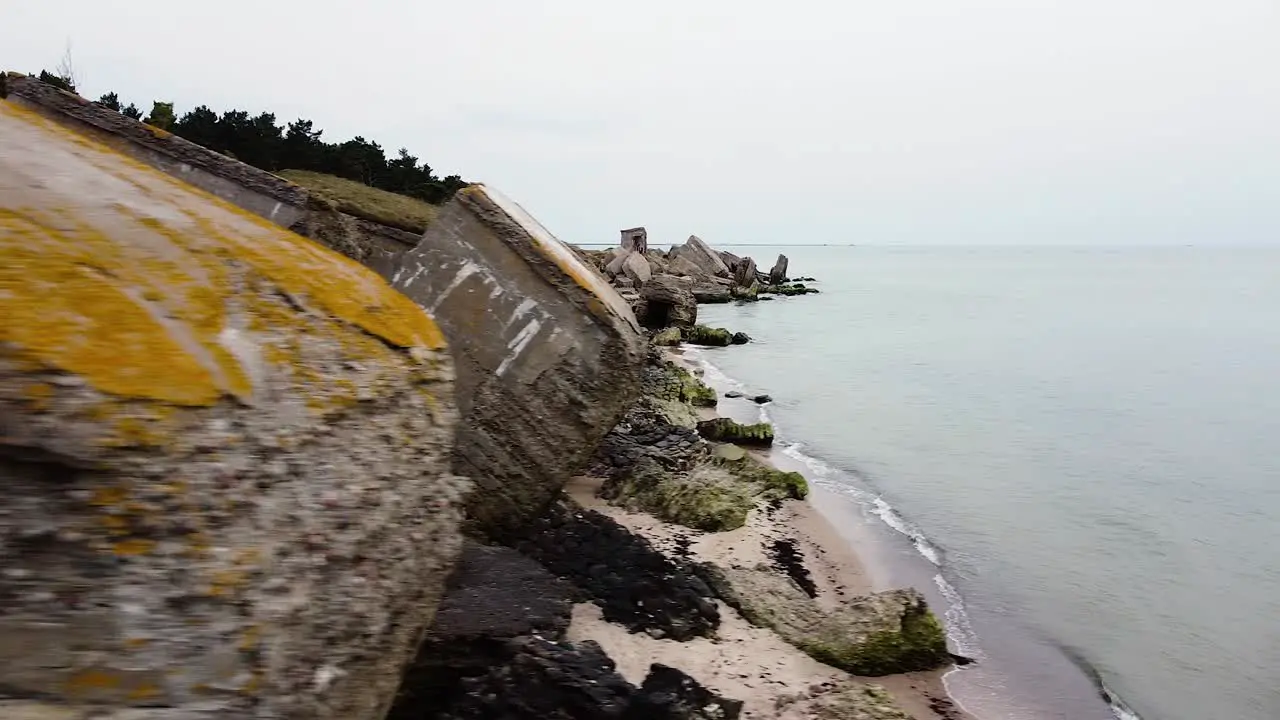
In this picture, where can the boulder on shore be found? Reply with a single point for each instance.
(699, 253)
(712, 293)
(713, 496)
(713, 337)
(778, 274)
(749, 293)
(677, 265)
(880, 634)
(744, 273)
(730, 260)
(731, 431)
(668, 337)
(707, 498)
(636, 267)
(668, 303)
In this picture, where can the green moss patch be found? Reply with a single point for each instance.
(668, 338)
(708, 499)
(772, 482)
(387, 208)
(730, 431)
(712, 337)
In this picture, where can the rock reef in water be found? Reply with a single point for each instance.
(226, 451)
(881, 634)
(778, 273)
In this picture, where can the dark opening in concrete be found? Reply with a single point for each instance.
(657, 315)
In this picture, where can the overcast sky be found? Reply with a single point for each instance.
(893, 121)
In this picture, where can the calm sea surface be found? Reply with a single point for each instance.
(1076, 452)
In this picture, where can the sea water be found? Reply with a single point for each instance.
(1074, 451)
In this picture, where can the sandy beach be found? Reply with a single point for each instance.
(745, 662)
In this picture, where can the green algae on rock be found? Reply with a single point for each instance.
(669, 337)
(714, 496)
(880, 634)
(680, 385)
(731, 431)
(708, 498)
(712, 337)
(770, 481)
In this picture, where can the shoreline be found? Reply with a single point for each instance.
(744, 662)
(879, 535)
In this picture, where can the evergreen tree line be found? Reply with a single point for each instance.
(259, 141)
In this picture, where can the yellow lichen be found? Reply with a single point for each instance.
(115, 524)
(225, 582)
(133, 547)
(131, 286)
(90, 680)
(249, 641)
(143, 691)
(108, 496)
(38, 396)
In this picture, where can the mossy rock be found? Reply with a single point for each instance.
(669, 337)
(880, 634)
(918, 644)
(770, 481)
(730, 431)
(745, 294)
(689, 389)
(676, 412)
(713, 337)
(708, 498)
(713, 497)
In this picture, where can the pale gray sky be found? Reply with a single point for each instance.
(893, 121)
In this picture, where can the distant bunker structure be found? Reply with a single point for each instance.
(636, 238)
(547, 353)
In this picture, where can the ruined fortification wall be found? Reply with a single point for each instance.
(547, 353)
(225, 453)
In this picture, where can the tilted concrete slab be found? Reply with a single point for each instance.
(225, 453)
(547, 353)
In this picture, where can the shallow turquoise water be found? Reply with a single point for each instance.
(1086, 439)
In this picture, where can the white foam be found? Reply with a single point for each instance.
(959, 630)
(1118, 708)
